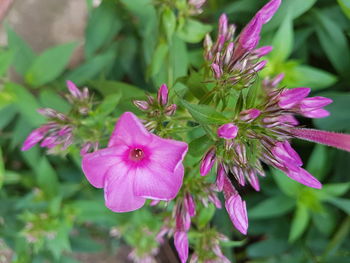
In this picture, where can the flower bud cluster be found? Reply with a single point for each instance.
(156, 108)
(236, 62)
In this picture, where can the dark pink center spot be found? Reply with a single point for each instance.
(136, 154)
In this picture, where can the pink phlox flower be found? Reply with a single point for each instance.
(137, 165)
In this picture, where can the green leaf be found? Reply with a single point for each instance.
(6, 58)
(103, 25)
(283, 41)
(267, 248)
(318, 164)
(178, 59)
(272, 207)
(329, 191)
(300, 221)
(46, 177)
(312, 77)
(292, 8)
(108, 104)
(345, 6)
(168, 23)
(159, 57)
(25, 103)
(52, 99)
(92, 67)
(333, 42)
(198, 146)
(2, 169)
(340, 112)
(49, 65)
(24, 55)
(204, 114)
(196, 85)
(341, 203)
(193, 31)
(205, 215)
(285, 184)
(6, 115)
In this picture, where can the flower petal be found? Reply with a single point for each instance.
(95, 165)
(129, 130)
(119, 192)
(155, 182)
(167, 153)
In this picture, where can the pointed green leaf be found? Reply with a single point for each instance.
(333, 42)
(193, 31)
(318, 164)
(272, 207)
(204, 114)
(6, 58)
(103, 25)
(2, 169)
(49, 65)
(24, 55)
(345, 6)
(300, 221)
(168, 23)
(312, 77)
(341, 203)
(283, 41)
(285, 184)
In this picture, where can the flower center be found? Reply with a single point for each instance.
(136, 154)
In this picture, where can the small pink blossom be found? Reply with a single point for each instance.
(137, 165)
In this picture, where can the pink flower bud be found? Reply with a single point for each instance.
(221, 173)
(141, 104)
(190, 205)
(249, 115)
(215, 200)
(223, 25)
(216, 70)
(181, 245)
(250, 35)
(259, 66)
(228, 131)
(316, 113)
(263, 51)
(253, 180)
(73, 89)
(163, 95)
(49, 142)
(231, 31)
(286, 154)
(314, 102)
(207, 162)
(228, 53)
(304, 177)
(170, 110)
(290, 97)
(277, 80)
(34, 137)
(237, 211)
(48, 112)
(268, 10)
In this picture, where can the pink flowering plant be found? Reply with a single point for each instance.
(181, 138)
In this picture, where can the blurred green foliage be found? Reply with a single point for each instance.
(48, 210)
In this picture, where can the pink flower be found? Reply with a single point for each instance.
(137, 165)
(228, 131)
